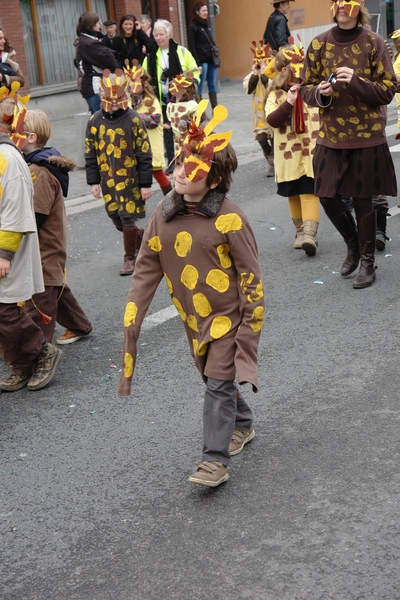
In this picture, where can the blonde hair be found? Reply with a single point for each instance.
(283, 77)
(37, 122)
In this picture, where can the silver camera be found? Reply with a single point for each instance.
(332, 78)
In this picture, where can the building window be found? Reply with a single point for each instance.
(49, 33)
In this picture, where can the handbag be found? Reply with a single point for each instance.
(215, 57)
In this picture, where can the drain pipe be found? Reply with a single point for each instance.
(181, 30)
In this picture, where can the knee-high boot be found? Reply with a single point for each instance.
(213, 99)
(367, 236)
(345, 225)
(381, 237)
(130, 246)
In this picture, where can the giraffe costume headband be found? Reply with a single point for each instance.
(351, 7)
(17, 119)
(115, 91)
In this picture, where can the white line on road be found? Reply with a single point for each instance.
(159, 317)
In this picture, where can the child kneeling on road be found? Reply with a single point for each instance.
(204, 246)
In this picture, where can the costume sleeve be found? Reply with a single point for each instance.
(191, 33)
(252, 83)
(311, 78)
(9, 243)
(280, 116)
(146, 277)
(244, 252)
(380, 88)
(143, 153)
(91, 166)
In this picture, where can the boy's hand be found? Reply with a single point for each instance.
(4, 267)
(96, 191)
(146, 193)
(292, 94)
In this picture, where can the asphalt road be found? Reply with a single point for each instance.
(94, 498)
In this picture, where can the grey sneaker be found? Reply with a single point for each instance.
(15, 381)
(45, 368)
(210, 473)
(240, 437)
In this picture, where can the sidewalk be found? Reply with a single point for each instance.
(239, 120)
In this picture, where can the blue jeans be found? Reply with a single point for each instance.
(94, 103)
(209, 72)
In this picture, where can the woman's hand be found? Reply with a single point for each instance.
(138, 25)
(96, 191)
(344, 74)
(292, 94)
(146, 193)
(325, 88)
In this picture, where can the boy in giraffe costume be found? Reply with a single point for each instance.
(203, 245)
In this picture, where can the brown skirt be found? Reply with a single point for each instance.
(360, 173)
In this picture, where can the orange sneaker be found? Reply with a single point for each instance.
(69, 337)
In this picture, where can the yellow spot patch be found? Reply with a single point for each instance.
(121, 185)
(195, 346)
(183, 243)
(256, 294)
(192, 322)
(202, 349)
(257, 319)
(145, 146)
(128, 365)
(245, 280)
(169, 284)
(201, 305)
(229, 222)
(130, 314)
(112, 206)
(218, 280)
(179, 308)
(220, 327)
(224, 258)
(154, 244)
(189, 277)
(130, 206)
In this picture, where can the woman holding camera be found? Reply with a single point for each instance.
(200, 43)
(163, 63)
(131, 41)
(348, 74)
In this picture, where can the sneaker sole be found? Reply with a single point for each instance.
(193, 479)
(14, 388)
(71, 341)
(248, 439)
(51, 374)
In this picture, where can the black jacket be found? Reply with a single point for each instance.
(131, 47)
(198, 44)
(277, 31)
(90, 53)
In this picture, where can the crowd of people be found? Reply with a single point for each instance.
(321, 127)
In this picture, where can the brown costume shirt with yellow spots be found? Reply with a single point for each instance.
(210, 263)
(356, 117)
(118, 156)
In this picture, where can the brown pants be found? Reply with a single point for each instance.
(21, 340)
(67, 311)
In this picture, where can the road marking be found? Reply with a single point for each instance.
(159, 318)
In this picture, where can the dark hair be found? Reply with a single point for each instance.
(86, 22)
(122, 21)
(223, 165)
(197, 7)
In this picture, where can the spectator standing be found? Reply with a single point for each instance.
(111, 32)
(200, 42)
(130, 42)
(91, 58)
(165, 61)
(277, 32)
(9, 69)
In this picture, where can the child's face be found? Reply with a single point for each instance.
(191, 191)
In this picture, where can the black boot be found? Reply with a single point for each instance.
(381, 238)
(345, 225)
(213, 99)
(367, 236)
